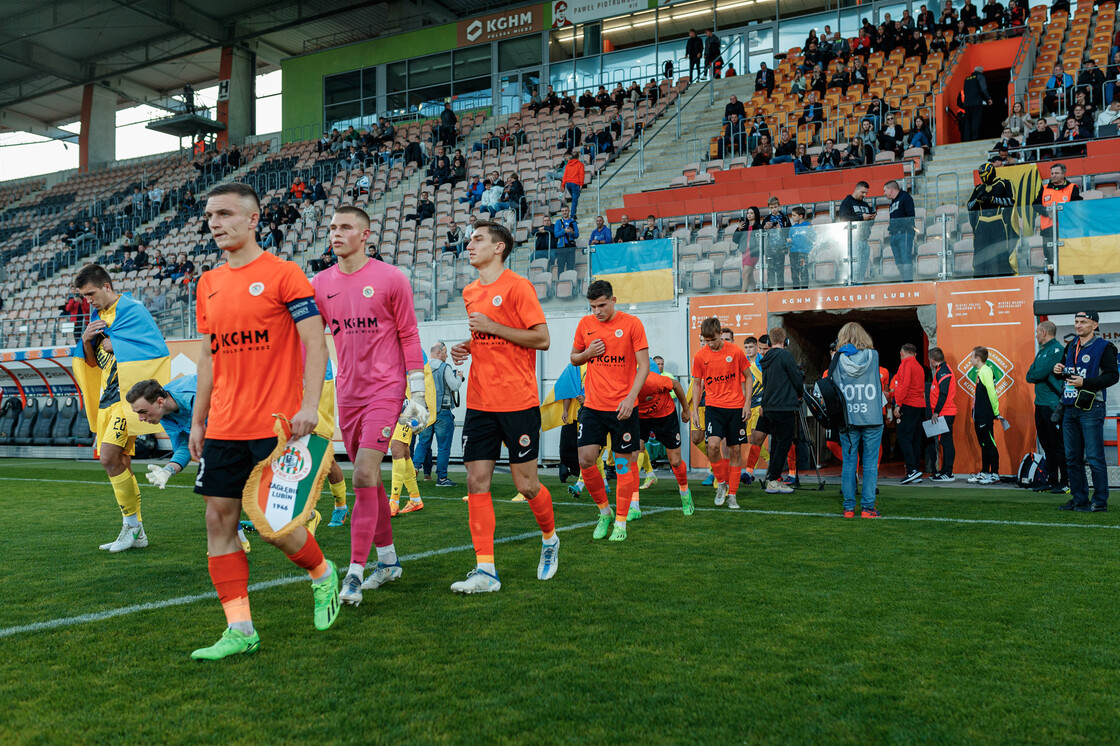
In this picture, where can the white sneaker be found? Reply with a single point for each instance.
(129, 538)
(732, 502)
(989, 478)
(381, 575)
(477, 581)
(721, 494)
(944, 478)
(778, 487)
(550, 559)
(351, 592)
(976, 478)
(914, 477)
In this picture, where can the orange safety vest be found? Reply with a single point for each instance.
(1053, 196)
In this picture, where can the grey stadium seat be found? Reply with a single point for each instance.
(67, 410)
(22, 434)
(44, 423)
(9, 413)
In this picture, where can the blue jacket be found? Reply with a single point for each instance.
(801, 238)
(601, 234)
(558, 230)
(178, 424)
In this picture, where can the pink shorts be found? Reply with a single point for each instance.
(748, 260)
(368, 426)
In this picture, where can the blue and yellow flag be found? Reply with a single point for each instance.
(140, 354)
(1089, 235)
(639, 271)
(568, 386)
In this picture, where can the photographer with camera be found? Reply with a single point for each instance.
(1088, 367)
(1048, 407)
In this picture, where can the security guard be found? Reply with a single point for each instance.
(1057, 191)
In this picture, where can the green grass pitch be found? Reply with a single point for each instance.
(964, 616)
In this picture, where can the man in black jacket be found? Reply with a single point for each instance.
(764, 79)
(625, 231)
(781, 398)
(711, 50)
(447, 124)
(424, 209)
(976, 97)
(734, 106)
(694, 50)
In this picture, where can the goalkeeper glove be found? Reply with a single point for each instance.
(158, 475)
(415, 411)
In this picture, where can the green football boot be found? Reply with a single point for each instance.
(232, 642)
(603, 527)
(326, 599)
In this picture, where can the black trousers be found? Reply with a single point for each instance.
(782, 428)
(694, 63)
(1050, 435)
(973, 115)
(948, 450)
(909, 434)
(989, 454)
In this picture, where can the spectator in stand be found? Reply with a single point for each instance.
(513, 196)
(544, 246)
(938, 45)
(859, 154)
(853, 209)
(77, 307)
(817, 82)
(711, 51)
(425, 209)
(602, 99)
(448, 126)
(860, 76)
(1058, 90)
(730, 71)
(296, 190)
(1088, 369)
(458, 168)
(361, 186)
(310, 214)
(993, 13)
(604, 142)
(127, 240)
(650, 231)
(1055, 192)
(862, 48)
(1071, 142)
(891, 137)
(439, 170)
(618, 96)
(1109, 115)
(290, 214)
(1112, 75)
(748, 237)
(601, 234)
(812, 115)
(155, 196)
(234, 158)
(786, 150)
(943, 404)
(919, 135)
(734, 106)
(763, 153)
(187, 201)
(566, 231)
(916, 46)
(567, 105)
(72, 232)
(734, 140)
(1019, 122)
(157, 261)
(1084, 120)
(413, 153)
(976, 97)
(800, 84)
(875, 112)
(136, 206)
(140, 261)
(775, 243)
(694, 51)
(587, 102)
(491, 195)
(1041, 135)
(909, 411)
(841, 78)
(802, 161)
(829, 157)
(156, 302)
(625, 232)
(571, 139)
(551, 100)
(315, 190)
(901, 229)
(1006, 140)
(474, 192)
(764, 80)
(535, 102)
(183, 267)
(1047, 406)
(800, 246)
(572, 183)
(351, 159)
(1091, 81)
(455, 238)
(273, 237)
(926, 23)
(759, 127)
(970, 16)
(326, 259)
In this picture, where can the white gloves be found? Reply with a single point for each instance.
(415, 411)
(158, 475)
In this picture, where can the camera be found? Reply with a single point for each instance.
(1068, 373)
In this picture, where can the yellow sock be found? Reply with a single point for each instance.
(410, 480)
(702, 446)
(398, 478)
(339, 492)
(644, 464)
(127, 492)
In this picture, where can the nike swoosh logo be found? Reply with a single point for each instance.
(329, 296)
(213, 294)
(591, 333)
(524, 453)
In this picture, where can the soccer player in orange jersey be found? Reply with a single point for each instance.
(507, 328)
(613, 344)
(721, 373)
(253, 313)
(657, 416)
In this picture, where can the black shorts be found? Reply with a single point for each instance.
(595, 425)
(225, 465)
(485, 432)
(666, 429)
(726, 424)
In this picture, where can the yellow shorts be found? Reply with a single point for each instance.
(325, 426)
(698, 423)
(402, 433)
(112, 429)
(755, 414)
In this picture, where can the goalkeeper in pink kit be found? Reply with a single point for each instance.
(368, 307)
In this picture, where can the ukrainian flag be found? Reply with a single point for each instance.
(1026, 183)
(141, 354)
(568, 386)
(1089, 236)
(639, 271)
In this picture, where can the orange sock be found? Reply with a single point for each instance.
(719, 468)
(480, 508)
(627, 486)
(732, 479)
(230, 575)
(681, 473)
(753, 454)
(835, 449)
(791, 462)
(310, 558)
(541, 506)
(595, 485)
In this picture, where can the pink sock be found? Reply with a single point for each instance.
(383, 537)
(363, 523)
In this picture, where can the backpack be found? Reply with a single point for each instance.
(1032, 471)
(826, 402)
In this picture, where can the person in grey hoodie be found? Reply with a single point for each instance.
(781, 396)
(856, 370)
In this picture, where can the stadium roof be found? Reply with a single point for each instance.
(145, 50)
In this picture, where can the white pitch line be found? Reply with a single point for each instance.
(101, 616)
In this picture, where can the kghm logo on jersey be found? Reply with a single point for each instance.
(243, 341)
(294, 463)
(1001, 373)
